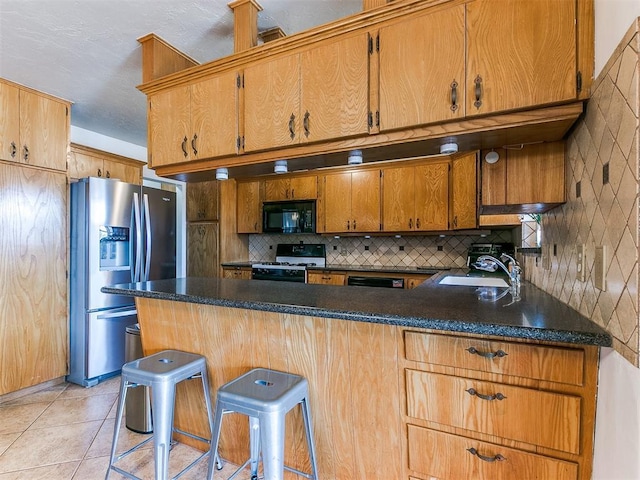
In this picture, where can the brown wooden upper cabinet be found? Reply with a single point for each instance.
(519, 54)
(291, 188)
(249, 207)
(422, 77)
(318, 94)
(203, 200)
(351, 202)
(416, 198)
(195, 121)
(464, 192)
(530, 179)
(88, 162)
(33, 128)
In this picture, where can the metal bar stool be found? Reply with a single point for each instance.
(162, 372)
(265, 396)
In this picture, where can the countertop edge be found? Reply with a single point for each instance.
(530, 333)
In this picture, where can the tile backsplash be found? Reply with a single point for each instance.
(602, 206)
(406, 251)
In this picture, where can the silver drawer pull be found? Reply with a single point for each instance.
(497, 396)
(484, 458)
(498, 353)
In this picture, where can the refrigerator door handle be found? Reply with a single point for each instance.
(136, 221)
(126, 312)
(147, 223)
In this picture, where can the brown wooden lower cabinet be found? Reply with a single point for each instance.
(202, 249)
(382, 408)
(444, 456)
(326, 278)
(243, 273)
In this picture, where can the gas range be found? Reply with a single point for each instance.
(291, 263)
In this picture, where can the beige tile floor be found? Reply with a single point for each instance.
(64, 432)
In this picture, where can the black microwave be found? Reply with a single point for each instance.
(289, 217)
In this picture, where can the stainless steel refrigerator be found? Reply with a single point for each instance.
(120, 233)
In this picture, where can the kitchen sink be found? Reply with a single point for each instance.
(473, 281)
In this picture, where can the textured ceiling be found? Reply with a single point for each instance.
(86, 51)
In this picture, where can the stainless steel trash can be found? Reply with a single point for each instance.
(138, 401)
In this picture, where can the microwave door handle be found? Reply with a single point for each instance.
(135, 275)
(146, 215)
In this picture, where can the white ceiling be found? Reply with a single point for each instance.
(86, 51)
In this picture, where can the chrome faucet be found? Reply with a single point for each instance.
(491, 264)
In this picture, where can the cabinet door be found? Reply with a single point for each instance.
(304, 188)
(335, 89)
(169, 126)
(398, 212)
(33, 319)
(124, 172)
(214, 125)
(202, 201)
(272, 104)
(422, 70)
(432, 196)
(237, 273)
(365, 201)
(276, 189)
(464, 192)
(502, 410)
(82, 165)
(527, 58)
(43, 131)
(202, 250)
(249, 207)
(322, 278)
(535, 174)
(449, 456)
(9, 122)
(337, 203)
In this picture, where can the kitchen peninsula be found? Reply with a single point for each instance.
(406, 384)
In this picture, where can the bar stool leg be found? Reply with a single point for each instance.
(213, 454)
(306, 414)
(116, 430)
(162, 401)
(215, 438)
(272, 434)
(254, 445)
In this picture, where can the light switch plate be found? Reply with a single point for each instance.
(580, 263)
(600, 268)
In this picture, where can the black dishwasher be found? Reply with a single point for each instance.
(385, 282)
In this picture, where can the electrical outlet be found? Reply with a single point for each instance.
(580, 263)
(600, 268)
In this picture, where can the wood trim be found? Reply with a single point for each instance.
(159, 58)
(105, 155)
(245, 24)
(585, 45)
(37, 92)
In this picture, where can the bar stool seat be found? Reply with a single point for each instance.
(161, 372)
(265, 396)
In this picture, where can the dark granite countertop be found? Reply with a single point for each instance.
(421, 270)
(538, 316)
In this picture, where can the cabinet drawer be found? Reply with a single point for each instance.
(554, 364)
(444, 456)
(533, 416)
